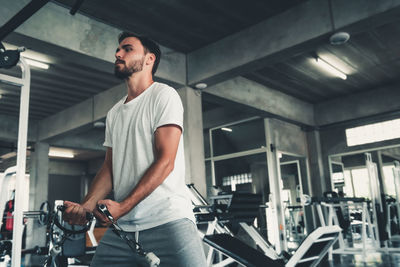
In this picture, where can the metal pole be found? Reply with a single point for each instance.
(396, 176)
(21, 164)
(375, 199)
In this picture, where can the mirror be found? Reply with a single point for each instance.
(294, 183)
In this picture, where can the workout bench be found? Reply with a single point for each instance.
(310, 253)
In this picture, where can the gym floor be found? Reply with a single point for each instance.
(373, 260)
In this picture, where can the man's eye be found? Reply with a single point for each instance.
(128, 49)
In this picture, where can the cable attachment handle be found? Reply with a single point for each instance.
(104, 210)
(151, 259)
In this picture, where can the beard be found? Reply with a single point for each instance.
(126, 71)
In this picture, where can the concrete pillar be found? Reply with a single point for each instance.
(317, 173)
(193, 138)
(38, 192)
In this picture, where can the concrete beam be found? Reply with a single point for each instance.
(357, 106)
(87, 37)
(219, 116)
(257, 96)
(9, 129)
(91, 140)
(282, 36)
(80, 116)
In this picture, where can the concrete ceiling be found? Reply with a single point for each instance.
(183, 25)
(63, 85)
(371, 59)
(271, 43)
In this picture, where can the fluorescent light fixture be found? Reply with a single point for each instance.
(375, 132)
(331, 69)
(226, 129)
(61, 153)
(37, 63)
(9, 155)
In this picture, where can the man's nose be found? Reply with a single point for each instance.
(118, 55)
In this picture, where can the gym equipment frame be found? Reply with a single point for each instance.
(24, 83)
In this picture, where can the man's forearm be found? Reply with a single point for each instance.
(100, 187)
(153, 177)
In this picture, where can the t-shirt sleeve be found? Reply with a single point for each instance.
(108, 139)
(168, 109)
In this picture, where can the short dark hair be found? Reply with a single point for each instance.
(148, 44)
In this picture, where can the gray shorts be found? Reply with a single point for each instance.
(176, 243)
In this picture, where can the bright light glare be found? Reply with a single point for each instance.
(226, 129)
(37, 64)
(331, 69)
(372, 133)
(60, 153)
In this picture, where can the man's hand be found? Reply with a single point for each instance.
(75, 213)
(116, 210)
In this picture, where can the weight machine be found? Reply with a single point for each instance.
(64, 240)
(241, 209)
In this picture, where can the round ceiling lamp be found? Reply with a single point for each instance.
(201, 86)
(339, 38)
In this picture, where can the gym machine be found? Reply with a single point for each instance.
(330, 212)
(64, 240)
(231, 210)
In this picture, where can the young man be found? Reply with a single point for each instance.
(144, 164)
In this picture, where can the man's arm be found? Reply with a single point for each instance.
(99, 189)
(166, 145)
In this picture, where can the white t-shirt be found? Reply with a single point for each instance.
(130, 131)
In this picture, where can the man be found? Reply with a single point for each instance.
(144, 164)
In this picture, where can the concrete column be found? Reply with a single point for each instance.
(317, 174)
(38, 192)
(193, 138)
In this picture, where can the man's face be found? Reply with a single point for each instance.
(129, 58)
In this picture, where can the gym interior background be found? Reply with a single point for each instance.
(263, 112)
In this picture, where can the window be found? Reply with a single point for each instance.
(372, 133)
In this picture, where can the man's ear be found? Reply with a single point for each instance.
(151, 58)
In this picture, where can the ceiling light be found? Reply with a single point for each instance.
(60, 152)
(9, 155)
(339, 38)
(226, 129)
(201, 86)
(37, 63)
(99, 124)
(331, 69)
